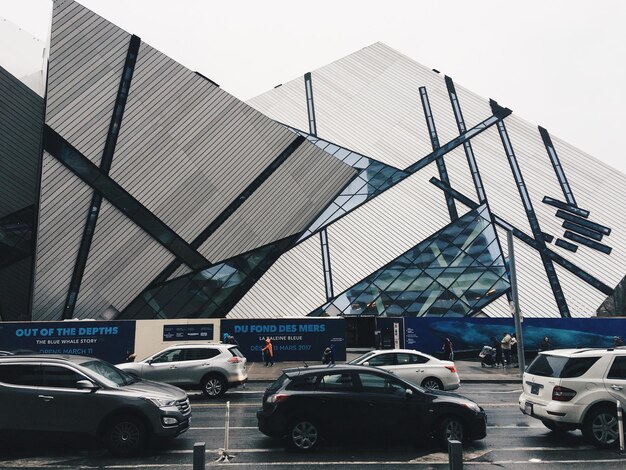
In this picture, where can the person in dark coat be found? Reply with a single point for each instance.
(448, 350)
(545, 344)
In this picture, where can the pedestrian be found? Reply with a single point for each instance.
(327, 356)
(268, 353)
(506, 348)
(447, 349)
(225, 338)
(231, 340)
(514, 360)
(617, 341)
(497, 345)
(545, 344)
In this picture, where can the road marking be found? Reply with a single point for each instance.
(479, 392)
(222, 427)
(223, 405)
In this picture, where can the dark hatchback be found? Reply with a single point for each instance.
(309, 405)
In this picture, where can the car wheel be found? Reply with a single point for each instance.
(558, 427)
(213, 386)
(450, 429)
(601, 428)
(304, 435)
(432, 382)
(125, 436)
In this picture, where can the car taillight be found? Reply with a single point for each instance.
(451, 369)
(234, 360)
(278, 398)
(562, 393)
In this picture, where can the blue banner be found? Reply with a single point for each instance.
(471, 334)
(112, 341)
(292, 340)
(188, 332)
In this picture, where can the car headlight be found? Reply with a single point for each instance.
(160, 402)
(473, 406)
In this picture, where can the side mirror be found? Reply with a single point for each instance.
(366, 364)
(87, 385)
(408, 393)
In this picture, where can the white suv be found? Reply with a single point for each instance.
(210, 367)
(571, 389)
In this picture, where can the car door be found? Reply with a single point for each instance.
(61, 405)
(615, 381)
(163, 367)
(338, 411)
(410, 367)
(196, 362)
(19, 390)
(392, 412)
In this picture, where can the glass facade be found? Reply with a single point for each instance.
(373, 179)
(455, 272)
(16, 233)
(211, 292)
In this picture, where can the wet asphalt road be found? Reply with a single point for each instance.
(513, 441)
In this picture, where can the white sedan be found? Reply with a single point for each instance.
(414, 366)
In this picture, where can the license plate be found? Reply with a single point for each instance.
(528, 408)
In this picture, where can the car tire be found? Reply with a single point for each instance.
(558, 427)
(432, 383)
(451, 428)
(304, 435)
(125, 436)
(601, 427)
(213, 386)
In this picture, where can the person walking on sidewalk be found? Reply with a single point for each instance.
(497, 345)
(447, 350)
(506, 348)
(268, 353)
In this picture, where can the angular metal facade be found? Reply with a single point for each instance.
(375, 187)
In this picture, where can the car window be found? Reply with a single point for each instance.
(363, 358)
(236, 352)
(408, 358)
(171, 355)
(547, 365)
(388, 359)
(372, 383)
(21, 374)
(196, 354)
(308, 382)
(618, 369)
(336, 383)
(277, 384)
(60, 377)
(109, 374)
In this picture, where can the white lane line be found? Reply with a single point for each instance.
(223, 405)
(487, 392)
(222, 427)
(22, 463)
(508, 426)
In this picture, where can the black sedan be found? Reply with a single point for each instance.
(308, 405)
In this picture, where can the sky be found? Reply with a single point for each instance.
(559, 64)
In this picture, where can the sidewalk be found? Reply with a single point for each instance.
(470, 371)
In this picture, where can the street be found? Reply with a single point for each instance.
(513, 441)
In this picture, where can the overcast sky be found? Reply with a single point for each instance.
(560, 64)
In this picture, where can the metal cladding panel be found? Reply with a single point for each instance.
(499, 308)
(293, 286)
(474, 107)
(21, 112)
(21, 119)
(535, 295)
(369, 102)
(382, 229)
(582, 300)
(87, 55)
(286, 103)
(64, 204)
(284, 205)
(123, 259)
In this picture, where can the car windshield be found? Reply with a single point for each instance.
(546, 365)
(109, 374)
(362, 358)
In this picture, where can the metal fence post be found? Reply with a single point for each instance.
(455, 455)
(199, 450)
(620, 427)
(225, 456)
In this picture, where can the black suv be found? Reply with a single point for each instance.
(306, 405)
(78, 394)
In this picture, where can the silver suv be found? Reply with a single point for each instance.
(577, 389)
(210, 367)
(85, 395)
